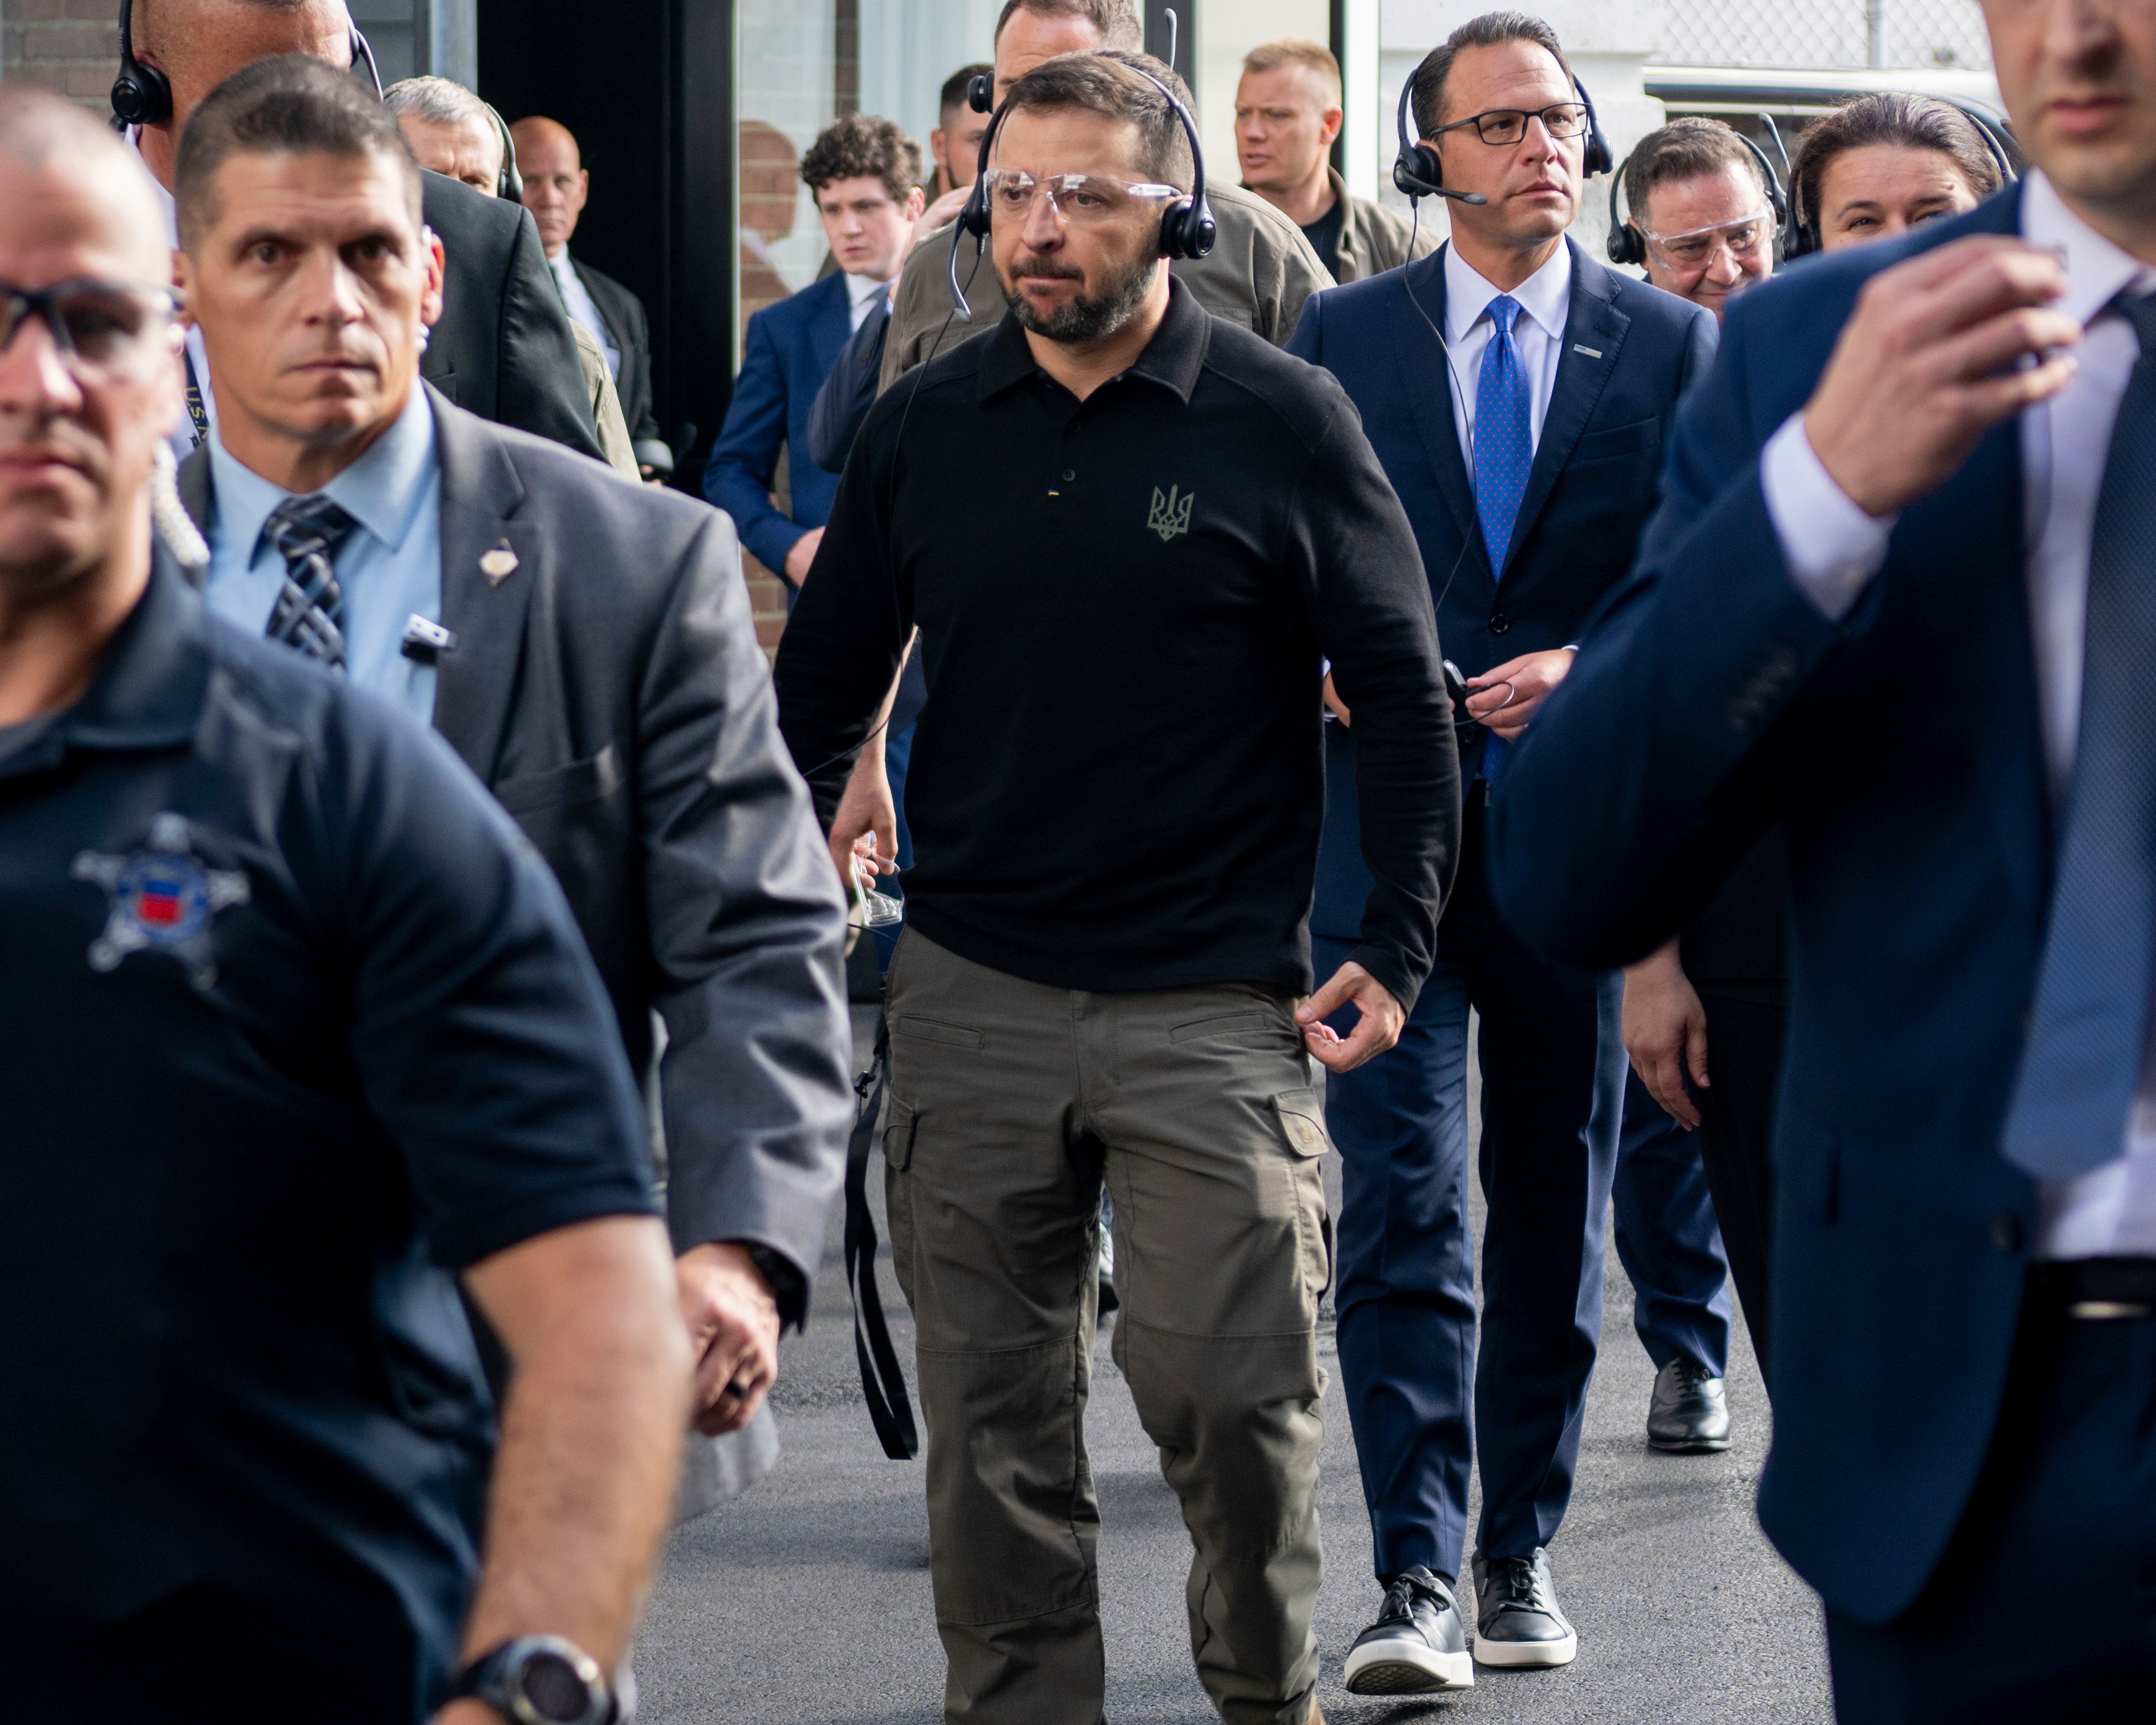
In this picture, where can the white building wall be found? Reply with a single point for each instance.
(1227, 30)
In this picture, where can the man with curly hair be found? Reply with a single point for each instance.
(865, 175)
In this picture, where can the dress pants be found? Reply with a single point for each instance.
(1746, 1028)
(1552, 1086)
(2044, 1606)
(1666, 1237)
(1009, 1102)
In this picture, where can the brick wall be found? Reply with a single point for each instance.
(70, 46)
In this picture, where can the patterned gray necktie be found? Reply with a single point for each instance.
(309, 614)
(2089, 1039)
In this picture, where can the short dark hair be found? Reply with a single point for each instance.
(1490, 30)
(1106, 81)
(1687, 149)
(289, 105)
(861, 145)
(958, 86)
(1907, 122)
(1117, 20)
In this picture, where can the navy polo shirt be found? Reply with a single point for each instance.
(296, 1026)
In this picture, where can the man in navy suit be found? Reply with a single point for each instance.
(862, 171)
(1518, 393)
(1915, 499)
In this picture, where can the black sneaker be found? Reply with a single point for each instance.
(1689, 1413)
(1416, 1645)
(1516, 1620)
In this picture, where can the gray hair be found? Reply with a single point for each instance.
(439, 101)
(1687, 149)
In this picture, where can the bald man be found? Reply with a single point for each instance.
(503, 349)
(252, 1488)
(555, 184)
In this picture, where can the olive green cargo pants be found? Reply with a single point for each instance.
(1009, 1102)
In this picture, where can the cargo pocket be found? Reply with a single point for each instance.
(900, 1124)
(1303, 1126)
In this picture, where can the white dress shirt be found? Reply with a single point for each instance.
(578, 298)
(1537, 336)
(1832, 549)
(861, 291)
(389, 568)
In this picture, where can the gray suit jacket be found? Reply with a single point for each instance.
(607, 686)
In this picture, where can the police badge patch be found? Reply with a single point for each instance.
(160, 899)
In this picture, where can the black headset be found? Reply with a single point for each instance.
(1805, 237)
(1186, 227)
(510, 184)
(1418, 171)
(142, 95)
(1627, 244)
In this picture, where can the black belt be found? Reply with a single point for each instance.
(2097, 1287)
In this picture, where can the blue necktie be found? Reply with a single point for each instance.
(1504, 451)
(309, 614)
(2089, 1035)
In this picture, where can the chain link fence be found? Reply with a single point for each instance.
(1935, 34)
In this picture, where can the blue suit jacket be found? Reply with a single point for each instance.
(1629, 352)
(791, 348)
(1900, 749)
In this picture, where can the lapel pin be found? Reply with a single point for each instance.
(498, 565)
(1591, 352)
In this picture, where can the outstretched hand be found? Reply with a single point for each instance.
(1383, 1018)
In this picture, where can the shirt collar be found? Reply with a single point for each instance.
(1174, 358)
(861, 289)
(382, 490)
(1546, 296)
(2097, 271)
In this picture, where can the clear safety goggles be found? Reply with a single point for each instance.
(1084, 200)
(1694, 248)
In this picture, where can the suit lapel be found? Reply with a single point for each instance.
(1591, 322)
(1423, 357)
(832, 327)
(490, 565)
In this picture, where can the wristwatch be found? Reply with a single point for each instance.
(539, 1679)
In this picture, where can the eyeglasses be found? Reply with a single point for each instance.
(101, 328)
(1508, 126)
(1084, 200)
(1694, 248)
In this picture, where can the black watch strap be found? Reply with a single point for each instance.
(539, 1679)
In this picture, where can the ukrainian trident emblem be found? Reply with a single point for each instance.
(1169, 518)
(162, 900)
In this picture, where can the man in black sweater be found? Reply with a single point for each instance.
(1115, 798)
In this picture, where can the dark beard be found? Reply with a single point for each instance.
(1084, 318)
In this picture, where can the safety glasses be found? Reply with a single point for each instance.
(1694, 248)
(1083, 200)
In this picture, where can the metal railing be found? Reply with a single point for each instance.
(1940, 34)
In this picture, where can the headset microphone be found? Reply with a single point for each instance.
(1418, 171)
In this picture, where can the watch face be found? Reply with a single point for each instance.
(553, 1689)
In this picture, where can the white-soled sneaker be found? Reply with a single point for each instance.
(1417, 1646)
(1518, 1624)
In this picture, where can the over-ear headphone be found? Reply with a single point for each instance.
(510, 185)
(1626, 245)
(142, 95)
(1187, 228)
(981, 92)
(1418, 171)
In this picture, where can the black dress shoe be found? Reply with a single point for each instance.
(1417, 1645)
(1689, 1415)
(1517, 1623)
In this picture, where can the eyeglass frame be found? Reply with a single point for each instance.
(1764, 214)
(42, 303)
(1584, 113)
(1152, 191)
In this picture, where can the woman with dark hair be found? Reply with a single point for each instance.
(1879, 165)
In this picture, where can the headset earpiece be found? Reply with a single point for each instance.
(511, 183)
(142, 95)
(1596, 158)
(1418, 171)
(981, 92)
(1625, 243)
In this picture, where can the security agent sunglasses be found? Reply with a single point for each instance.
(1508, 126)
(99, 326)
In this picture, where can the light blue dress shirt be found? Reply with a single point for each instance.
(390, 565)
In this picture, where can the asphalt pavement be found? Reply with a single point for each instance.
(807, 1602)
